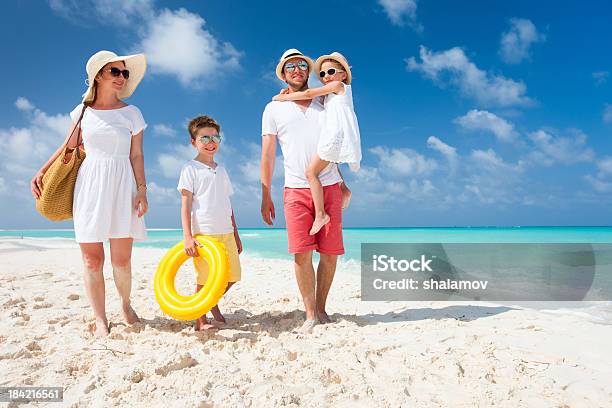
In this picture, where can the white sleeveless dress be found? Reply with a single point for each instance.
(103, 204)
(339, 141)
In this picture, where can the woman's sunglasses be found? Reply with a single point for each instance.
(329, 72)
(290, 66)
(116, 72)
(208, 139)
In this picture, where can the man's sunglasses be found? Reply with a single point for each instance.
(208, 139)
(329, 72)
(290, 66)
(116, 72)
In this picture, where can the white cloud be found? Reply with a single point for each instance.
(401, 12)
(600, 77)
(164, 130)
(176, 43)
(486, 88)
(564, 150)
(605, 166)
(607, 115)
(163, 195)
(598, 185)
(483, 120)
(447, 151)
(23, 104)
(24, 150)
(403, 162)
(515, 43)
(171, 163)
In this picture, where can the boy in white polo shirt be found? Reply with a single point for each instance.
(206, 208)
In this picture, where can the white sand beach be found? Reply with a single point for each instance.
(376, 354)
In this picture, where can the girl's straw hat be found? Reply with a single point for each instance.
(136, 64)
(339, 58)
(287, 55)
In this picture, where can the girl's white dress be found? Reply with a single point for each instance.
(339, 141)
(103, 205)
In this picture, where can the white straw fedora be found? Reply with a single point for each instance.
(136, 64)
(339, 58)
(287, 55)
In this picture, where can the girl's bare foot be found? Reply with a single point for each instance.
(102, 329)
(130, 315)
(319, 223)
(346, 196)
(203, 325)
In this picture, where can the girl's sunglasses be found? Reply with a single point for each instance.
(208, 139)
(290, 66)
(329, 72)
(116, 72)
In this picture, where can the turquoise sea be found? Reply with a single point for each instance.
(272, 242)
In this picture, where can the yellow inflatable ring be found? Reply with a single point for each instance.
(191, 307)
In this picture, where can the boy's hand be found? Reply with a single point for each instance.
(191, 245)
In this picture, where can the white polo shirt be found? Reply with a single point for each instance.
(211, 209)
(298, 134)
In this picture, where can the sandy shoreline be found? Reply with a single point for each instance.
(376, 354)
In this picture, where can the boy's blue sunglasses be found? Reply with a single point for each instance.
(208, 139)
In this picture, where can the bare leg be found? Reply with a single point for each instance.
(325, 276)
(316, 166)
(346, 192)
(304, 273)
(93, 260)
(202, 323)
(121, 258)
(215, 310)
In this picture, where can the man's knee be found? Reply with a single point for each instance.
(329, 260)
(303, 258)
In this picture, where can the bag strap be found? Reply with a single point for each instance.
(79, 135)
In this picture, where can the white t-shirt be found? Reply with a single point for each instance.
(298, 135)
(211, 210)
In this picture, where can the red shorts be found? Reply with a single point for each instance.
(300, 214)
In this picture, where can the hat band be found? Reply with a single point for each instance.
(294, 54)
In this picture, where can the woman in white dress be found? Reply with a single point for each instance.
(339, 141)
(110, 192)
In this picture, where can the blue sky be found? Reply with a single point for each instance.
(479, 113)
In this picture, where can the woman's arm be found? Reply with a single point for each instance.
(332, 87)
(36, 182)
(137, 159)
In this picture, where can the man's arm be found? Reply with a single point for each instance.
(268, 155)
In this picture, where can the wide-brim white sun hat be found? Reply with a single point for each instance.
(136, 64)
(339, 58)
(289, 54)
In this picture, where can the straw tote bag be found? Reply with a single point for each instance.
(55, 201)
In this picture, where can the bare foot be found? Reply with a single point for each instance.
(346, 196)
(217, 315)
(102, 329)
(319, 223)
(307, 326)
(324, 318)
(129, 315)
(203, 325)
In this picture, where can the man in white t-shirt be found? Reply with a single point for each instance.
(296, 126)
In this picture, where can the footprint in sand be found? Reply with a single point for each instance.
(14, 302)
(42, 306)
(39, 298)
(73, 296)
(176, 363)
